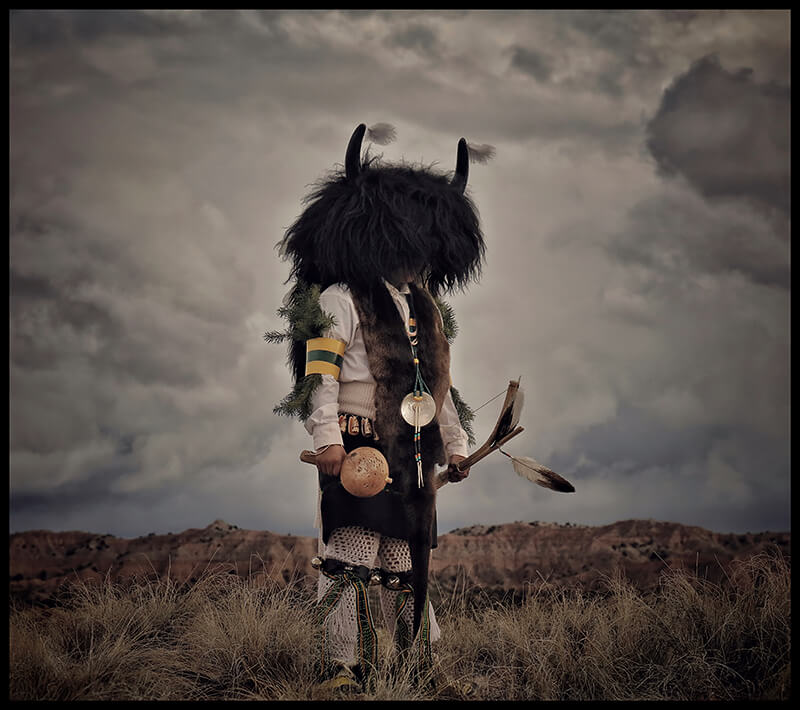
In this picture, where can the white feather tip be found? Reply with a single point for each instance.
(480, 152)
(381, 133)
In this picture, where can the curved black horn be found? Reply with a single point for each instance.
(462, 166)
(352, 159)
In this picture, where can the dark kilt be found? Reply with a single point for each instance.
(384, 512)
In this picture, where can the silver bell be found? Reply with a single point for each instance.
(316, 562)
(374, 578)
(393, 582)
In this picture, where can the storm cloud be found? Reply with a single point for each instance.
(726, 133)
(637, 274)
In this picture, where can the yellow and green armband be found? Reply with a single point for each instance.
(324, 355)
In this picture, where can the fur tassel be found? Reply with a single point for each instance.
(381, 133)
(480, 152)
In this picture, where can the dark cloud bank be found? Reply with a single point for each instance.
(726, 133)
(128, 305)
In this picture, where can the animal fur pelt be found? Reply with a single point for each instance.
(386, 344)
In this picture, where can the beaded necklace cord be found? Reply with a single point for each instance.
(411, 329)
(419, 385)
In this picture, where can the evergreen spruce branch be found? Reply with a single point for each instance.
(465, 415)
(276, 336)
(306, 320)
(449, 325)
(305, 316)
(298, 402)
(450, 330)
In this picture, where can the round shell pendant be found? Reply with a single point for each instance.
(416, 410)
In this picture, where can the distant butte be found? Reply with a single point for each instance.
(499, 558)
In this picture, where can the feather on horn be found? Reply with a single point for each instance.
(469, 153)
(480, 152)
(381, 133)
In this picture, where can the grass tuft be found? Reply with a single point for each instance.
(228, 638)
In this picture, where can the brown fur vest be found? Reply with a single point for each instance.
(402, 510)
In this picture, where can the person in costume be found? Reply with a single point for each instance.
(375, 247)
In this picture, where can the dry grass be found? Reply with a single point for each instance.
(228, 638)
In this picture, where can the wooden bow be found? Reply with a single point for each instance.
(504, 429)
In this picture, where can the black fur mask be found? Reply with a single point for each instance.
(364, 223)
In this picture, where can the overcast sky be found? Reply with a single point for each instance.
(636, 217)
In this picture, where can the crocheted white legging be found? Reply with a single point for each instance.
(359, 546)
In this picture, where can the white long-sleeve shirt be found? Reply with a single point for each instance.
(323, 424)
